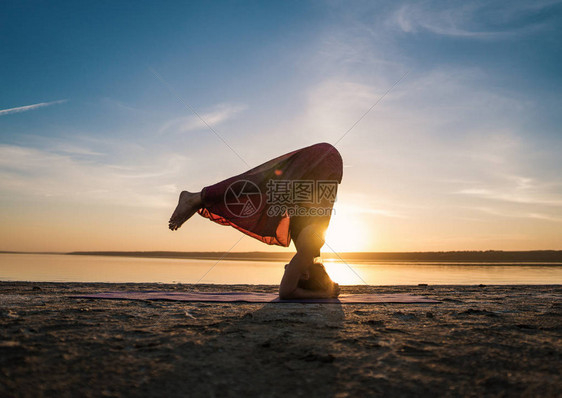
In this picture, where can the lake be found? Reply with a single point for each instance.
(70, 268)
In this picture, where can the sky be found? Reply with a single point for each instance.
(460, 150)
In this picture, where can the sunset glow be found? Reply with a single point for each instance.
(446, 116)
(347, 234)
(342, 273)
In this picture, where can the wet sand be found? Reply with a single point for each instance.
(479, 341)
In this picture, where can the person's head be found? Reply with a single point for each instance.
(316, 278)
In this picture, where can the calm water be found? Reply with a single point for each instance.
(66, 268)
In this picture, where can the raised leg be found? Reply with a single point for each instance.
(188, 204)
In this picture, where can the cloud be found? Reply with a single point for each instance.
(511, 195)
(479, 20)
(440, 131)
(220, 114)
(352, 209)
(545, 217)
(334, 105)
(506, 213)
(76, 150)
(440, 103)
(29, 107)
(30, 172)
(111, 102)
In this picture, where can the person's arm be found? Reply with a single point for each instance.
(289, 282)
(308, 245)
(288, 289)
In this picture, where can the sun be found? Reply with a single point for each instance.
(346, 233)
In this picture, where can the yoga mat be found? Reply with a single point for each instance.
(250, 297)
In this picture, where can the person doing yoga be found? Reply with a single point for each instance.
(288, 198)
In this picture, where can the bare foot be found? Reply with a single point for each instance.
(188, 205)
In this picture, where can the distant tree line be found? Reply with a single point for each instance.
(489, 256)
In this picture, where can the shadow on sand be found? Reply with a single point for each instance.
(273, 351)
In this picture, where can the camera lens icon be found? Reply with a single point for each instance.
(243, 198)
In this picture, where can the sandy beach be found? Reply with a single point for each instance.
(479, 341)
